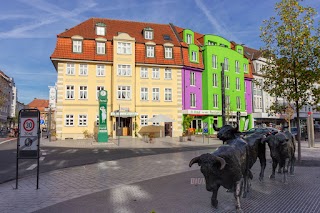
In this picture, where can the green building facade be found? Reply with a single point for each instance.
(217, 50)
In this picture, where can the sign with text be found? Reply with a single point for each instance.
(29, 132)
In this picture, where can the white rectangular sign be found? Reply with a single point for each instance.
(28, 143)
(28, 139)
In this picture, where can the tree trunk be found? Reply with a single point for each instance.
(298, 133)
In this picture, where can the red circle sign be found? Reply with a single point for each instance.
(28, 125)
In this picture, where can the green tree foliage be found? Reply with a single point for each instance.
(292, 49)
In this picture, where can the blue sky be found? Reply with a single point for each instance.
(28, 28)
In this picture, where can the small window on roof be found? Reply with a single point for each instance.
(166, 38)
(148, 33)
(100, 29)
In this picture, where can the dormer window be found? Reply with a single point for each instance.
(189, 38)
(240, 51)
(148, 33)
(77, 44)
(211, 43)
(101, 29)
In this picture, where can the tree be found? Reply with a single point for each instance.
(292, 51)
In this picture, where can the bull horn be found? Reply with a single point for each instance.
(194, 160)
(216, 128)
(222, 162)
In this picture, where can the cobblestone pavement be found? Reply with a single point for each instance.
(169, 194)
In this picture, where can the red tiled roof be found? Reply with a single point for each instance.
(40, 104)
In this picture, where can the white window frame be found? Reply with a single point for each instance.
(238, 101)
(143, 120)
(100, 30)
(70, 70)
(193, 101)
(83, 92)
(100, 70)
(99, 88)
(155, 123)
(194, 55)
(238, 84)
(214, 61)
(167, 74)
(144, 96)
(226, 64)
(69, 120)
(215, 101)
(77, 46)
(124, 93)
(156, 94)
(167, 94)
(150, 49)
(168, 52)
(148, 34)
(101, 47)
(124, 70)
(226, 82)
(124, 48)
(192, 79)
(227, 101)
(237, 67)
(189, 38)
(83, 120)
(83, 69)
(214, 80)
(144, 72)
(155, 73)
(245, 68)
(70, 92)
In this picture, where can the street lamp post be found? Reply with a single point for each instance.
(223, 96)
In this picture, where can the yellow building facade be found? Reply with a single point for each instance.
(139, 88)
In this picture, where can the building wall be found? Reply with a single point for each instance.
(248, 95)
(188, 89)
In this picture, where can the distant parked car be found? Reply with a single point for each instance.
(270, 130)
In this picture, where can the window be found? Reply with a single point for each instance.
(215, 101)
(227, 101)
(192, 100)
(143, 120)
(124, 92)
(70, 69)
(82, 120)
(226, 64)
(148, 34)
(124, 48)
(168, 52)
(214, 80)
(83, 92)
(144, 93)
(240, 51)
(69, 120)
(226, 82)
(101, 48)
(77, 46)
(238, 103)
(124, 70)
(237, 67)
(99, 88)
(155, 123)
(214, 62)
(101, 30)
(69, 92)
(168, 94)
(83, 69)
(150, 51)
(155, 73)
(245, 68)
(100, 70)
(192, 78)
(189, 38)
(166, 37)
(144, 72)
(194, 56)
(237, 83)
(212, 43)
(167, 73)
(155, 94)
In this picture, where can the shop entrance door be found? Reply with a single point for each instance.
(168, 129)
(125, 126)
